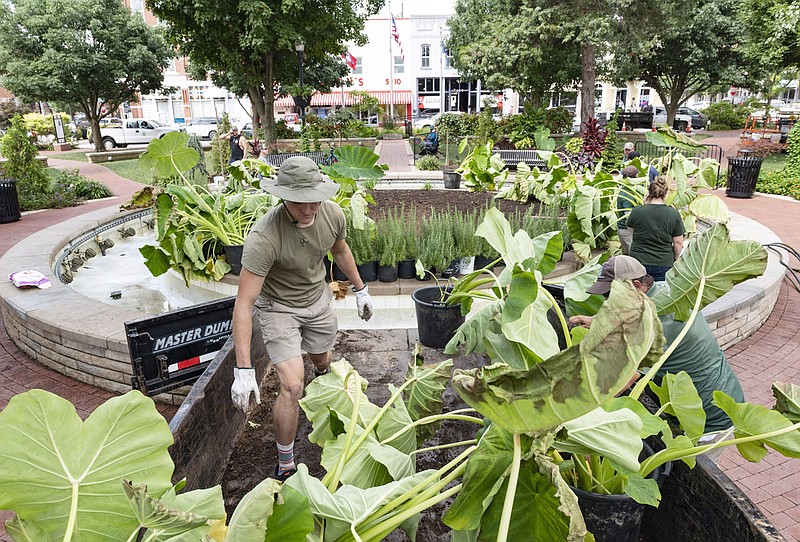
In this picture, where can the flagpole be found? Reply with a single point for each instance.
(391, 66)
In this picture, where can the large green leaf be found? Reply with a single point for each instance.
(350, 504)
(327, 393)
(423, 397)
(57, 470)
(713, 261)
(290, 521)
(624, 334)
(530, 328)
(169, 156)
(487, 468)
(249, 520)
(156, 259)
(175, 517)
(473, 332)
(514, 248)
(667, 137)
(614, 435)
(678, 397)
(710, 207)
(753, 420)
(355, 163)
(787, 400)
(548, 248)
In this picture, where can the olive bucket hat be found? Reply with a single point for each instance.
(299, 180)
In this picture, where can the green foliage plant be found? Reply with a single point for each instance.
(533, 424)
(390, 239)
(428, 163)
(191, 222)
(42, 125)
(612, 153)
(726, 116)
(220, 151)
(86, 189)
(481, 169)
(21, 164)
(558, 120)
(110, 474)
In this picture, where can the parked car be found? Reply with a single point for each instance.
(133, 131)
(698, 119)
(681, 122)
(247, 130)
(202, 127)
(293, 121)
(426, 123)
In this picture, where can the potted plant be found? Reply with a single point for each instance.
(465, 242)
(409, 250)
(389, 244)
(364, 248)
(481, 168)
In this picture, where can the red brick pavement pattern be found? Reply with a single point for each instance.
(772, 353)
(394, 153)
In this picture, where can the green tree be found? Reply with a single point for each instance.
(91, 55)
(503, 45)
(770, 31)
(693, 46)
(22, 165)
(248, 46)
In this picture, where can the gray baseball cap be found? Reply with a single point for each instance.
(299, 180)
(617, 268)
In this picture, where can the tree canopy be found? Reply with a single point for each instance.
(501, 43)
(84, 54)
(248, 46)
(694, 46)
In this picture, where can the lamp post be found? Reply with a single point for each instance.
(299, 49)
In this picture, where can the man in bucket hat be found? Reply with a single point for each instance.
(283, 281)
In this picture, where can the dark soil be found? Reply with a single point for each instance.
(380, 356)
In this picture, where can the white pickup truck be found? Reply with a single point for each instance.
(132, 131)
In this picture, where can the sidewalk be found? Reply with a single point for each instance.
(772, 353)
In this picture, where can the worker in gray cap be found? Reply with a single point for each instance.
(283, 281)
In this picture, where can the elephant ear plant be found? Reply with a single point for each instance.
(108, 478)
(542, 402)
(191, 221)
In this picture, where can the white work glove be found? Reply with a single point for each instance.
(244, 382)
(364, 303)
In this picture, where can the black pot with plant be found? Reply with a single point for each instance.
(437, 321)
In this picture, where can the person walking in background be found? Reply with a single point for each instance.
(629, 151)
(657, 231)
(283, 283)
(237, 142)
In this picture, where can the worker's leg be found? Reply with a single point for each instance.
(285, 413)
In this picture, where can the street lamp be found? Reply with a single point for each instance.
(299, 49)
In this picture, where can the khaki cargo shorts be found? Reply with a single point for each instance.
(290, 331)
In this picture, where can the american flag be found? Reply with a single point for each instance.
(396, 36)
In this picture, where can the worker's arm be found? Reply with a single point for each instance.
(677, 246)
(344, 260)
(249, 287)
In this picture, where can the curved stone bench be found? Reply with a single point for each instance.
(85, 339)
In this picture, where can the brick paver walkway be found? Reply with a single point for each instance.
(773, 353)
(395, 154)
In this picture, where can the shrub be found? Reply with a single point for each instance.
(793, 151)
(40, 125)
(726, 116)
(91, 189)
(763, 147)
(220, 149)
(456, 125)
(428, 163)
(22, 165)
(558, 120)
(780, 183)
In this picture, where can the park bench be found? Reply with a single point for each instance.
(277, 159)
(514, 156)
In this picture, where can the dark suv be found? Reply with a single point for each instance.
(698, 119)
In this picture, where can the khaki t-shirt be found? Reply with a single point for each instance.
(290, 257)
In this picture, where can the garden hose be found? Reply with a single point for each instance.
(781, 249)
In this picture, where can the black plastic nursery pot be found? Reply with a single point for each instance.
(368, 271)
(437, 322)
(616, 518)
(482, 262)
(406, 269)
(387, 273)
(234, 255)
(452, 179)
(451, 269)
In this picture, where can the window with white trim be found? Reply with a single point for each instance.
(425, 55)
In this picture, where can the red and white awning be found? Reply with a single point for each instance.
(335, 98)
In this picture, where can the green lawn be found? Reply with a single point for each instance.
(773, 162)
(78, 156)
(130, 169)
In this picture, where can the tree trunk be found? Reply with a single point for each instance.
(97, 137)
(588, 79)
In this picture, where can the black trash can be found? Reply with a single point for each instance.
(742, 176)
(409, 128)
(9, 202)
